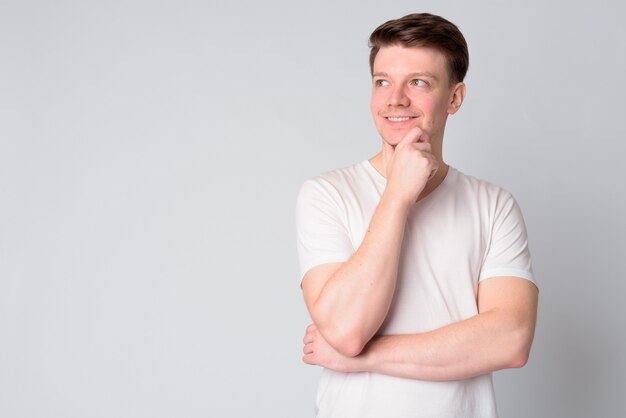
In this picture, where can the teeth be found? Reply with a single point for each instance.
(398, 119)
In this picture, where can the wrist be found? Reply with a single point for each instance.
(356, 364)
(396, 203)
(364, 362)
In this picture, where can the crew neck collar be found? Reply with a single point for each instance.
(447, 180)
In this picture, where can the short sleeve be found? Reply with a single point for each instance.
(507, 253)
(322, 233)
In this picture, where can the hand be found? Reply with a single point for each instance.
(409, 165)
(318, 352)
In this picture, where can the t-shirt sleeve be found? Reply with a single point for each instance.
(322, 233)
(508, 253)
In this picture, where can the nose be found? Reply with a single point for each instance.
(398, 97)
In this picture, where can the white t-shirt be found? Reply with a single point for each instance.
(465, 231)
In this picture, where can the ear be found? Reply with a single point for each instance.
(456, 98)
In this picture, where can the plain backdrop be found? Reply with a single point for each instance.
(150, 157)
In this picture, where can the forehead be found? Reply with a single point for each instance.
(399, 60)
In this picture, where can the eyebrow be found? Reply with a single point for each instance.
(412, 75)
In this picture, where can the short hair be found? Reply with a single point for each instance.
(424, 30)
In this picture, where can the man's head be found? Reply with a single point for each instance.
(418, 64)
(424, 30)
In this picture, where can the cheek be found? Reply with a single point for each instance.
(375, 103)
(434, 112)
(435, 109)
(428, 105)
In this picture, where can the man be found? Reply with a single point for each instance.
(417, 277)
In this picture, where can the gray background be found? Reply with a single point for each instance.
(150, 157)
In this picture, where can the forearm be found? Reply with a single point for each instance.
(482, 344)
(355, 300)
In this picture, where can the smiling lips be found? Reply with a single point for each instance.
(398, 118)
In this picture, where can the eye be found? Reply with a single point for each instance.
(381, 83)
(419, 83)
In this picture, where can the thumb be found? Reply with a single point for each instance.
(414, 135)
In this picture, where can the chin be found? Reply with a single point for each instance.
(392, 139)
(394, 136)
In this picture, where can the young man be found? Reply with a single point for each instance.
(417, 277)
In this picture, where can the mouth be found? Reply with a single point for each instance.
(398, 118)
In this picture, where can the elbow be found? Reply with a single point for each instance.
(347, 340)
(349, 347)
(519, 349)
(346, 344)
(519, 360)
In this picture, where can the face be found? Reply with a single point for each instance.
(411, 88)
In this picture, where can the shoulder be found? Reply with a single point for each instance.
(337, 183)
(343, 175)
(495, 207)
(485, 200)
(481, 190)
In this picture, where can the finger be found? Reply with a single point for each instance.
(423, 146)
(433, 173)
(307, 349)
(308, 338)
(434, 163)
(413, 135)
(311, 328)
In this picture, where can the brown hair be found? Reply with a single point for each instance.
(424, 30)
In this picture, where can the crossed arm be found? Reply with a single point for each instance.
(349, 301)
(498, 337)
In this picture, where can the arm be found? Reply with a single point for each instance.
(499, 337)
(349, 301)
